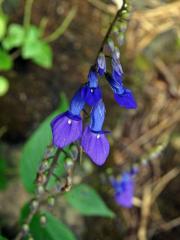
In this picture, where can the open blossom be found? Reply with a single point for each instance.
(94, 141)
(124, 189)
(67, 127)
(91, 92)
(123, 96)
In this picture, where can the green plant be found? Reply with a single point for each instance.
(28, 40)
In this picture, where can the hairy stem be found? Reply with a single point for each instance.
(118, 14)
(43, 198)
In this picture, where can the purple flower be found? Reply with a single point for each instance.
(91, 92)
(101, 64)
(123, 96)
(117, 72)
(124, 190)
(94, 141)
(67, 127)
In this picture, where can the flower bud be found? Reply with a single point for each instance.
(68, 163)
(51, 201)
(34, 204)
(40, 190)
(25, 228)
(74, 152)
(43, 219)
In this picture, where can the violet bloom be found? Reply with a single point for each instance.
(101, 64)
(117, 71)
(123, 96)
(94, 141)
(67, 127)
(124, 190)
(91, 92)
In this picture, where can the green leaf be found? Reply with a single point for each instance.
(52, 230)
(15, 37)
(87, 201)
(36, 49)
(40, 52)
(4, 86)
(25, 210)
(35, 147)
(3, 25)
(6, 62)
(3, 177)
(2, 238)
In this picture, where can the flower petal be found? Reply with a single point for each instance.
(66, 129)
(91, 95)
(101, 64)
(124, 190)
(96, 146)
(126, 99)
(125, 197)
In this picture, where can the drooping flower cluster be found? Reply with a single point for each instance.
(124, 189)
(68, 127)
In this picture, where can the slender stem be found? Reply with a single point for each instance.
(111, 27)
(62, 28)
(42, 199)
(53, 165)
(27, 13)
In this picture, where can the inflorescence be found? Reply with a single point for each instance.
(68, 126)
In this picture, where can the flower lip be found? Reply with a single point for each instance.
(95, 145)
(100, 132)
(91, 95)
(66, 128)
(71, 116)
(124, 189)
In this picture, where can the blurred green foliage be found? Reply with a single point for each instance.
(52, 230)
(3, 177)
(33, 150)
(2, 238)
(3, 24)
(87, 201)
(4, 86)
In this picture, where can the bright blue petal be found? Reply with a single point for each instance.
(117, 67)
(77, 103)
(91, 95)
(117, 86)
(124, 190)
(126, 99)
(97, 116)
(101, 64)
(96, 146)
(66, 129)
(92, 78)
(118, 78)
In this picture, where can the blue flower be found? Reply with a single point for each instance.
(117, 71)
(101, 64)
(67, 127)
(123, 96)
(94, 141)
(124, 190)
(91, 92)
